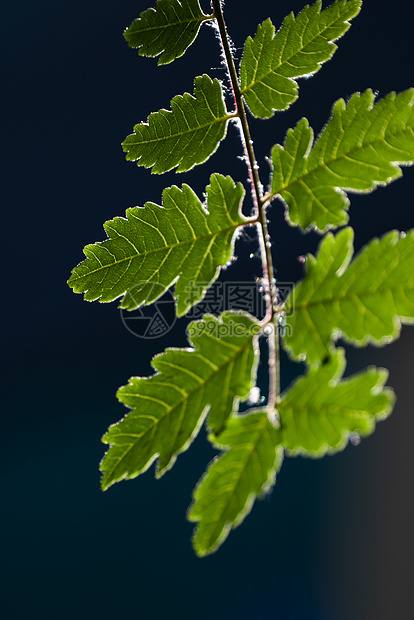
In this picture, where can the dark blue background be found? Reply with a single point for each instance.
(334, 540)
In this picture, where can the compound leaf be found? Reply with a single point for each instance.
(319, 413)
(153, 246)
(365, 302)
(226, 493)
(359, 149)
(169, 29)
(169, 407)
(185, 136)
(271, 62)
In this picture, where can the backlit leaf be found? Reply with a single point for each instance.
(271, 62)
(321, 410)
(169, 407)
(167, 30)
(360, 148)
(182, 239)
(185, 136)
(226, 493)
(364, 302)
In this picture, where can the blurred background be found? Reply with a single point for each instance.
(334, 540)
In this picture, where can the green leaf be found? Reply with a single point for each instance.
(169, 407)
(226, 493)
(167, 30)
(359, 149)
(319, 413)
(160, 244)
(270, 63)
(185, 136)
(365, 302)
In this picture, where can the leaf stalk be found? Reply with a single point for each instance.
(259, 203)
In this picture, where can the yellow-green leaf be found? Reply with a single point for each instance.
(169, 29)
(183, 240)
(364, 301)
(270, 62)
(226, 493)
(360, 148)
(184, 136)
(168, 408)
(321, 411)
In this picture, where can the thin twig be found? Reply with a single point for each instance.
(259, 203)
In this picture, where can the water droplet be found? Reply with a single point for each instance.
(281, 319)
(268, 330)
(302, 259)
(403, 235)
(252, 255)
(250, 141)
(355, 439)
(254, 395)
(268, 244)
(302, 357)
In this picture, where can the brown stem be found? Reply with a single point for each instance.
(269, 282)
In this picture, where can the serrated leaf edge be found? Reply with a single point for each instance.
(203, 415)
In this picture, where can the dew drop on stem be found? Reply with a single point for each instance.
(355, 439)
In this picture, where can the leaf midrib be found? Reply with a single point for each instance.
(252, 446)
(216, 120)
(170, 25)
(288, 59)
(316, 409)
(341, 414)
(358, 294)
(154, 250)
(174, 406)
(325, 164)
